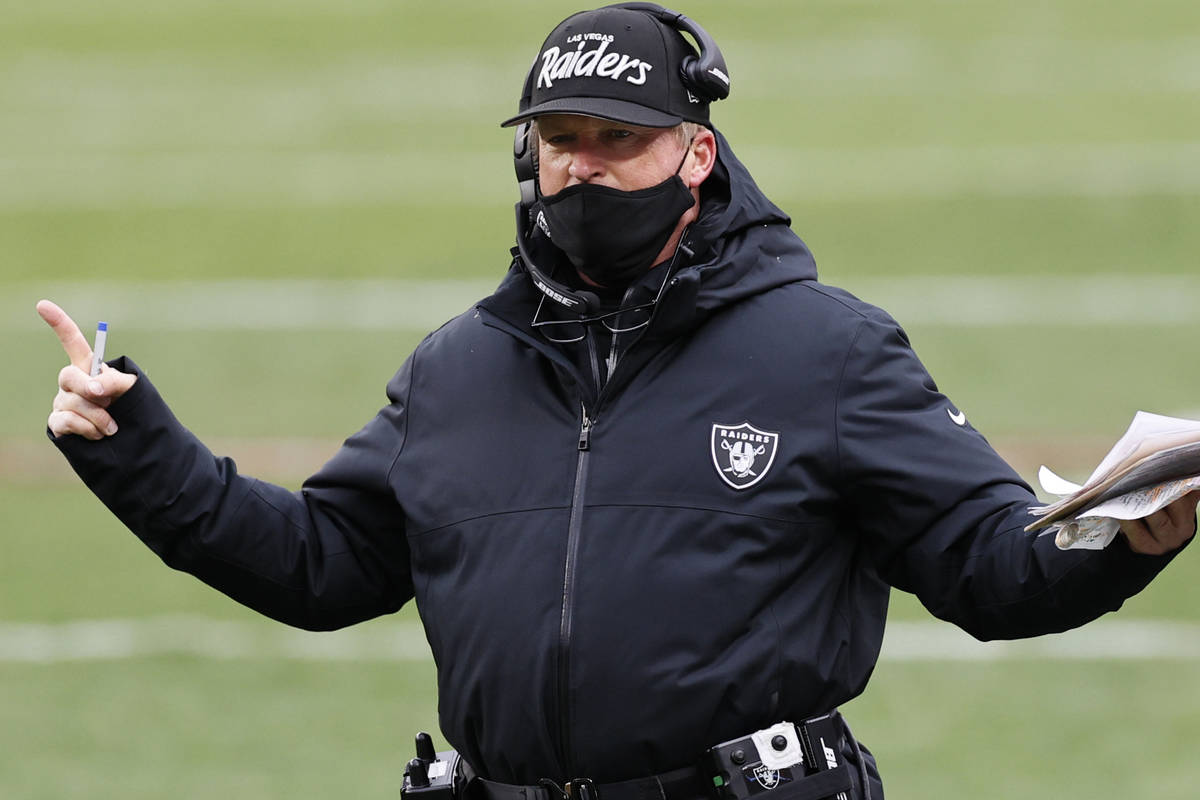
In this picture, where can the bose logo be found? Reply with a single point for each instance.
(556, 296)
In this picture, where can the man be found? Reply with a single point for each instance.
(651, 494)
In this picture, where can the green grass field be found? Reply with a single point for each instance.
(1019, 183)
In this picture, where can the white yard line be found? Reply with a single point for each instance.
(115, 639)
(1107, 639)
(266, 178)
(401, 641)
(421, 305)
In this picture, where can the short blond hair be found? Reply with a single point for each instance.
(686, 131)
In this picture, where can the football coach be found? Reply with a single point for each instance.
(601, 622)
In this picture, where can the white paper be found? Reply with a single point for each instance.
(1148, 436)
(1053, 484)
(1092, 533)
(1144, 425)
(1095, 528)
(1143, 502)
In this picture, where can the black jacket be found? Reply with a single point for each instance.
(612, 581)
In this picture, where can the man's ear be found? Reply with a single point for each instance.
(704, 158)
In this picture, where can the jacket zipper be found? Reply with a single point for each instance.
(575, 523)
(564, 631)
(574, 528)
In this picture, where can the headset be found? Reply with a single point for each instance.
(705, 76)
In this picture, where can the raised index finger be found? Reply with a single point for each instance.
(72, 339)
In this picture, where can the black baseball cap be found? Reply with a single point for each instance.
(612, 63)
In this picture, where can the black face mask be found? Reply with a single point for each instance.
(612, 236)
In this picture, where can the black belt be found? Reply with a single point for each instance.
(688, 783)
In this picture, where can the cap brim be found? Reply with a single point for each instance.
(602, 107)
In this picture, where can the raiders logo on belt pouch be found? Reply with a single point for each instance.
(742, 453)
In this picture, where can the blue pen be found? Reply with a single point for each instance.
(98, 350)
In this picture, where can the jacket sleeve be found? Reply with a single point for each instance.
(327, 556)
(943, 514)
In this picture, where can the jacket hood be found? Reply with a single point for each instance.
(731, 199)
(743, 242)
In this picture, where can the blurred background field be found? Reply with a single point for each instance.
(272, 202)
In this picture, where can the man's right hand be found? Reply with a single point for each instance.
(79, 406)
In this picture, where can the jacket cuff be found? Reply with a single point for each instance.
(129, 410)
(1133, 570)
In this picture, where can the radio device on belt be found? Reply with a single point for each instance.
(791, 762)
(431, 776)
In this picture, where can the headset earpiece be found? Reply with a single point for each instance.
(706, 76)
(524, 163)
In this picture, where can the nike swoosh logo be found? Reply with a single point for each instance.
(959, 419)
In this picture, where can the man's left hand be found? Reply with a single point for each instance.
(1165, 529)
